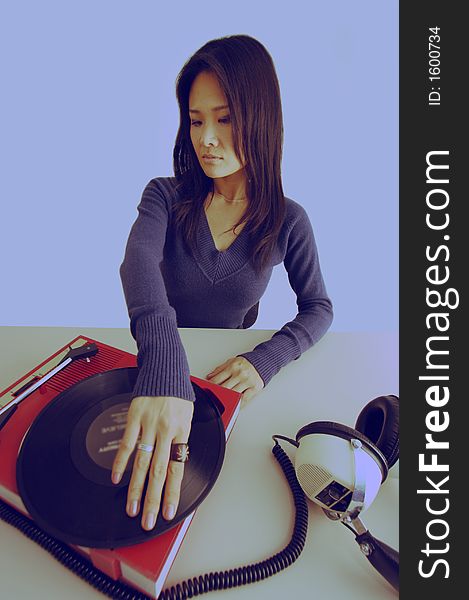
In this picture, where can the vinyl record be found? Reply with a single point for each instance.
(64, 465)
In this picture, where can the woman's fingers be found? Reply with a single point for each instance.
(157, 477)
(161, 419)
(237, 374)
(233, 382)
(173, 486)
(217, 369)
(248, 395)
(126, 446)
(221, 376)
(240, 387)
(139, 473)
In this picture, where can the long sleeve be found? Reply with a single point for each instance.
(314, 306)
(163, 367)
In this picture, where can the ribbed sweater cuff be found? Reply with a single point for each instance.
(163, 367)
(270, 356)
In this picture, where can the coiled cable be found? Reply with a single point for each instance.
(256, 571)
(195, 586)
(69, 557)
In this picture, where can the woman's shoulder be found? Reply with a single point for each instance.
(295, 215)
(296, 227)
(162, 189)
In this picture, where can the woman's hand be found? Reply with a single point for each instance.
(239, 375)
(161, 420)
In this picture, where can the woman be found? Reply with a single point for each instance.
(201, 253)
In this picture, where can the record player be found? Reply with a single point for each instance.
(61, 441)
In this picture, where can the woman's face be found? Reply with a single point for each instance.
(211, 132)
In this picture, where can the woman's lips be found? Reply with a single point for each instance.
(211, 159)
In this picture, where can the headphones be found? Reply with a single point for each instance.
(337, 465)
(341, 469)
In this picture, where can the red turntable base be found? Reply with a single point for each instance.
(29, 434)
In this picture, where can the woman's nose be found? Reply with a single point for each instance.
(208, 136)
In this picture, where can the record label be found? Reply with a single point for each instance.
(105, 433)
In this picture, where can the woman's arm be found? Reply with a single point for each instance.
(251, 371)
(163, 367)
(314, 306)
(159, 413)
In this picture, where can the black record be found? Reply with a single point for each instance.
(64, 465)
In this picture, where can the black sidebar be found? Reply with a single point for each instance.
(434, 239)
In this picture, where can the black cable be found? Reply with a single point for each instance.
(83, 567)
(286, 439)
(69, 557)
(348, 527)
(256, 571)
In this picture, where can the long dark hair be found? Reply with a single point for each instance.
(246, 74)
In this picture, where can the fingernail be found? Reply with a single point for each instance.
(116, 477)
(132, 508)
(169, 511)
(150, 521)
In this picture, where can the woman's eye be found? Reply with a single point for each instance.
(224, 120)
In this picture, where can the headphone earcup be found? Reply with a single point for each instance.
(346, 433)
(379, 422)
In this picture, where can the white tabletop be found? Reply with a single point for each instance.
(248, 515)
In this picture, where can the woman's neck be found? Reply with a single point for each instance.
(237, 197)
(232, 188)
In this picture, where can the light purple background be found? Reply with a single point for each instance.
(89, 116)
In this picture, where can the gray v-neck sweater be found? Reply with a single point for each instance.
(167, 287)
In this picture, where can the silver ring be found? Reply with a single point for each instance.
(145, 447)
